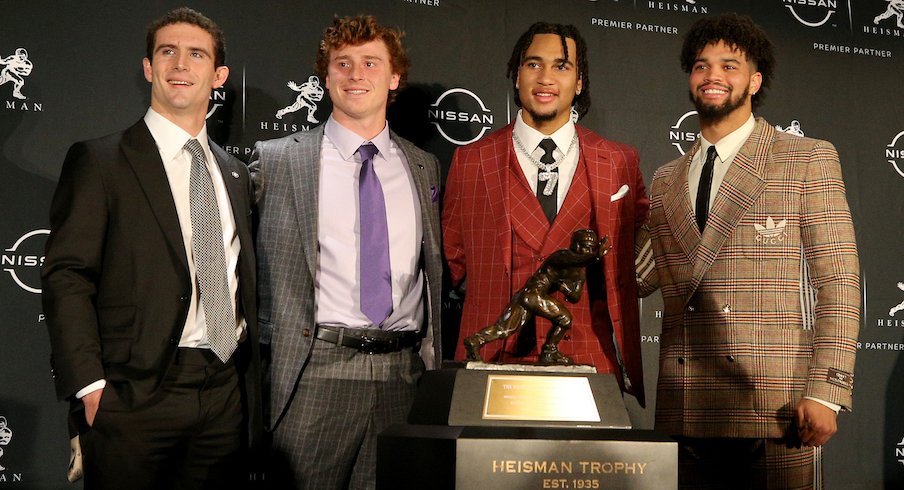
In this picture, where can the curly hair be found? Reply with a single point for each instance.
(738, 32)
(185, 15)
(582, 100)
(355, 31)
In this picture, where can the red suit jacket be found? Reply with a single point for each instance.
(492, 224)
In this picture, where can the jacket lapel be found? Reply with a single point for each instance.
(237, 190)
(528, 220)
(742, 186)
(304, 167)
(577, 204)
(426, 189)
(677, 207)
(143, 156)
(495, 161)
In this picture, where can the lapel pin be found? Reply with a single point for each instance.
(235, 175)
(434, 194)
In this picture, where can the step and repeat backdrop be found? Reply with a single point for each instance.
(72, 70)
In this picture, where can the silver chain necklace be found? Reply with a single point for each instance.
(548, 172)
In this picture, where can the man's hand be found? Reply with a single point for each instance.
(92, 402)
(815, 422)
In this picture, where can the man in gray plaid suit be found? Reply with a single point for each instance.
(755, 256)
(350, 265)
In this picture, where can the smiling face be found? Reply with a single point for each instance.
(547, 82)
(182, 74)
(721, 82)
(359, 79)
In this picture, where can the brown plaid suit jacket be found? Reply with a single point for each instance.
(764, 308)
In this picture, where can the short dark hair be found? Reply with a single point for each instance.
(582, 100)
(355, 31)
(185, 15)
(738, 32)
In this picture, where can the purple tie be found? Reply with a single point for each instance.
(376, 285)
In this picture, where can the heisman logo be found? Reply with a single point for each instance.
(812, 13)
(6, 434)
(460, 116)
(24, 259)
(793, 128)
(899, 306)
(308, 93)
(680, 136)
(686, 6)
(16, 67)
(895, 9)
(772, 233)
(895, 155)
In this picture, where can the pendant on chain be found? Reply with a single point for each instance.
(550, 178)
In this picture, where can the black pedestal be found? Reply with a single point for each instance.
(460, 396)
(495, 458)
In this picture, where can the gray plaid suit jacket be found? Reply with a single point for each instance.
(764, 307)
(286, 175)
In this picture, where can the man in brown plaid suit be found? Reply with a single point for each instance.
(754, 252)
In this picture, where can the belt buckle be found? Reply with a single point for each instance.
(373, 345)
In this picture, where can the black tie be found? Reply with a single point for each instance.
(703, 190)
(547, 202)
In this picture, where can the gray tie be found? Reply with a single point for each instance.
(210, 260)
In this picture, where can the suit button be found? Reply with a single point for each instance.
(726, 309)
(173, 341)
(184, 297)
(680, 360)
(306, 332)
(730, 358)
(690, 308)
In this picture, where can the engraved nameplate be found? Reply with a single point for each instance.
(546, 398)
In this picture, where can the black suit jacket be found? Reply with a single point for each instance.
(116, 283)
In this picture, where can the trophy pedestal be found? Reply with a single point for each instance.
(509, 426)
(520, 396)
(497, 458)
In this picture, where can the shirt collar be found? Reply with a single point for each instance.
(531, 138)
(171, 138)
(731, 142)
(347, 141)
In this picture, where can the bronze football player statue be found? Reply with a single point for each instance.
(565, 271)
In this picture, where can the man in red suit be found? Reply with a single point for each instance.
(515, 197)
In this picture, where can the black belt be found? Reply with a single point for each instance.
(198, 357)
(368, 340)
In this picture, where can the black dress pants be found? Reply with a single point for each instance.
(186, 437)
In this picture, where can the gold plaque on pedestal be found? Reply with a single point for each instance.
(541, 398)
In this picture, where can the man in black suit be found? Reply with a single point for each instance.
(149, 282)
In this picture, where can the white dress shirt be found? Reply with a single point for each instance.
(531, 139)
(726, 149)
(337, 285)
